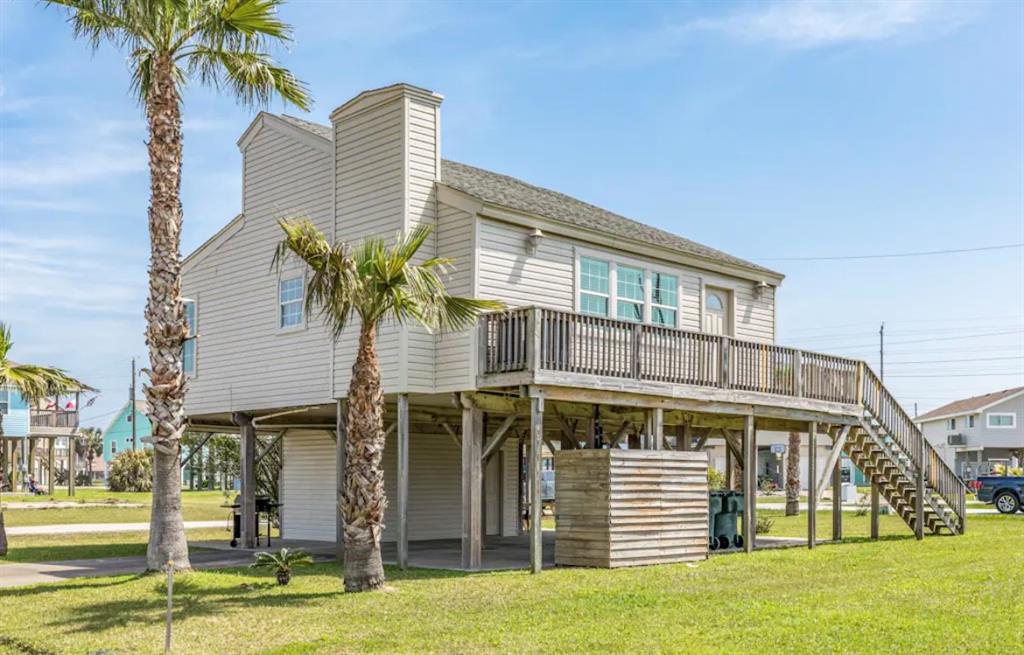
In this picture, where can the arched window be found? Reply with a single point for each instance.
(715, 303)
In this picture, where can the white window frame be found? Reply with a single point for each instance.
(951, 423)
(645, 279)
(113, 447)
(301, 325)
(651, 305)
(577, 299)
(193, 333)
(970, 421)
(1011, 426)
(5, 404)
(613, 284)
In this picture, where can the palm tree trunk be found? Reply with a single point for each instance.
(165, 316)
(793, 475)
(363, 500)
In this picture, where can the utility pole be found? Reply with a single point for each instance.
(131, 401)
(881, 352)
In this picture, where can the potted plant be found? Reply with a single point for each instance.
(283, 561)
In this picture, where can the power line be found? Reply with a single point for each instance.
(960, 375)
(980, 320)
(954, 361)
(923, 253)
(962, 336)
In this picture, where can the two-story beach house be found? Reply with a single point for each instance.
(617, 334)
(974, 434)
(34, 436)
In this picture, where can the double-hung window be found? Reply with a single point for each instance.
(188, 349)
(5, 401)
(594, 286)
(951, 424)
(664, 299)
(289, 297)
(630, 290)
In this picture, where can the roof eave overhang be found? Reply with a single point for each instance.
(468, 202)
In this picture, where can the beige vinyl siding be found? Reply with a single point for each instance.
(308, 485)
(421, 209)
(243, 360)
(548, 278)
(435, 487)
(507, 273)
(453, 351)
(370, 180)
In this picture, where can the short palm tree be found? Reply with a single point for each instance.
(33, 383)
(374, 283)
(220, 43)
(282, 562)
(88, 445)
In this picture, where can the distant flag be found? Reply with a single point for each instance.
(91, 401)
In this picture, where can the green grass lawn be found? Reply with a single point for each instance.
(50, 548)
(897, 595)
(196, 506)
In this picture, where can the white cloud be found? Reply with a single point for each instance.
(807, 24)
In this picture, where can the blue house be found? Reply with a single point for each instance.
(16, 414)
(117, 438)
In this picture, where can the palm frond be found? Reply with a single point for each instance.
(252, 77)
(31, 380)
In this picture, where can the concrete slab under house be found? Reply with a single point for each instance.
(618, 337)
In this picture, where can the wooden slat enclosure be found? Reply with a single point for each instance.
(619, 508)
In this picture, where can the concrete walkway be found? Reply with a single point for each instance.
(85, 528)
(66, 504)
(827, 507)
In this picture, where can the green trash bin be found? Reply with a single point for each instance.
(715, 501)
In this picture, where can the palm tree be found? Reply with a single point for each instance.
(220, 43)
(33, 383)
(374, 283)
(88, 445)
(793, 475)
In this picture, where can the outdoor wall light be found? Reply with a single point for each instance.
(760, 288)
(533, 241)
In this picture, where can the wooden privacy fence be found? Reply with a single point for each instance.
(531, 339)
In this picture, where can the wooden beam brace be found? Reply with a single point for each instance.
(498, 438)
(568, 430)
(452, 433)
(270, 446)
(196, 449)
(623, 429)
(838, 442)
(735, 445)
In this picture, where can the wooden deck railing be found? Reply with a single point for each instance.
(53, 419)
(538, 338)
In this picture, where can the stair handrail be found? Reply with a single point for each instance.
(885, 409)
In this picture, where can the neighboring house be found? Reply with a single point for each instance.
(615, 329)
(117, 437)
(31, 432)
(975, 434)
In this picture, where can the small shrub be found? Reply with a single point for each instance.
(863, 505)
(716, 479)
(764, 525)
(132, 470)
(282, 562)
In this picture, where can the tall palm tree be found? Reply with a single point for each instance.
(88, 445)
(33, 383)
(219, 43)
(793, 475)
(374, 283)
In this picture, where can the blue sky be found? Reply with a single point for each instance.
(770, 130)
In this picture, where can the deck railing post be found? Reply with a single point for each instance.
(798, 374)
(534, 339)
(637, 335)
(919, 501)
(859, 390)
(483, 327)
(723, 363)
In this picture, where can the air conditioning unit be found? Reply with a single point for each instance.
(956, 440)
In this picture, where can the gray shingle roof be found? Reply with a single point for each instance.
(521, 196)
(969, 405)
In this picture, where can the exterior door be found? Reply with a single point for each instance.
(716, 311)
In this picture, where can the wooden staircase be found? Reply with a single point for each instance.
(890, 449)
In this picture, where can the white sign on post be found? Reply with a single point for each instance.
(778, 448)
